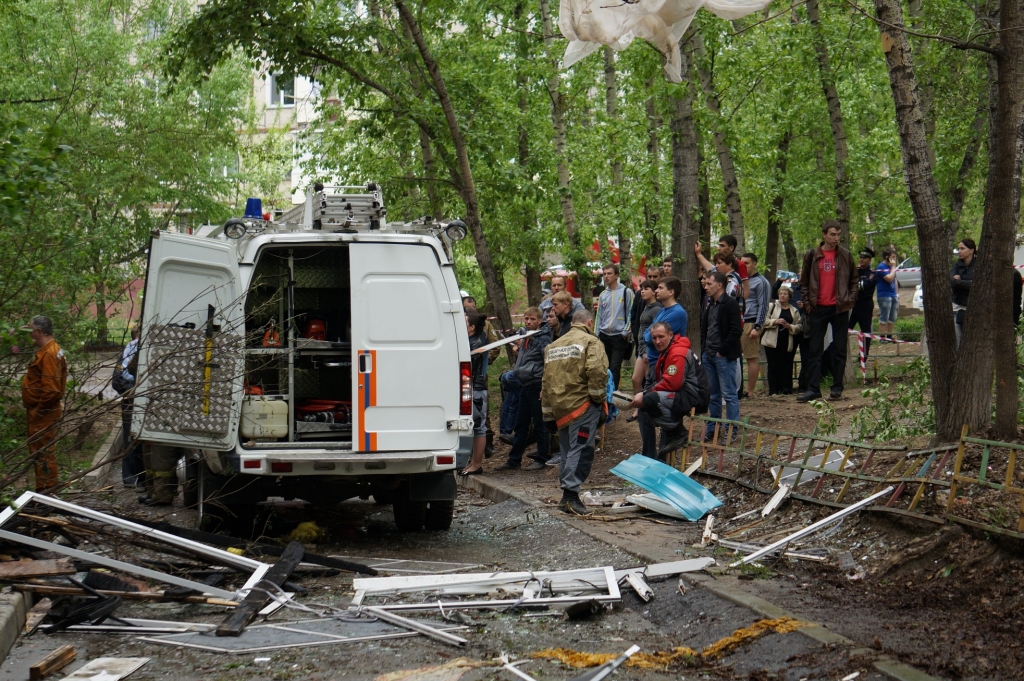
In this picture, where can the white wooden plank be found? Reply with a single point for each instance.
(107, 669)
(678, 567)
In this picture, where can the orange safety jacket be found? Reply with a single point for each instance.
(42, 387)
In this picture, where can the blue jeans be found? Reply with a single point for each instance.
(721, 374)
(529, 412)
(510, 403)
(888, 310)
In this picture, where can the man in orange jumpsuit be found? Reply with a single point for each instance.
(42, 391)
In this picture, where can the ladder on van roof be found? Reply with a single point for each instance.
(357, 211)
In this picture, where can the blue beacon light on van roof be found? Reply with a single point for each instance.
(253, 209)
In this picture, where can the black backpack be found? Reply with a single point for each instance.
(696, 391)
(119, 382)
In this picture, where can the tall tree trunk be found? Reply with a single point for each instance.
(958, 192)
(704, 196)
(685, 195)
(926, 88)
(771, 255)
(534, 293)
(651, 211)
(561, 154)
(924, 199)
(835, 119)
(725, 160)
(462, 175)
(427, 156)
(426, 152)
(988, 332)
(611, 101)
(793, 262)
(101, 310)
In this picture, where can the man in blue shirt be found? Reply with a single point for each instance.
(668, 291)
(888, 297)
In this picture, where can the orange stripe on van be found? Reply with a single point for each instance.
(367, 397)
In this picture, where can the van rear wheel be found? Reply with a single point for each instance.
(409, 515)
(440, 515)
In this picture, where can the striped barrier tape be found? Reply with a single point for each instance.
(918, 269)
(863, 355)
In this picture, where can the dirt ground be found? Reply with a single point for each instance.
(955, 611)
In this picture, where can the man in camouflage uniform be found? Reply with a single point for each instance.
(573, 397)
(161, 462)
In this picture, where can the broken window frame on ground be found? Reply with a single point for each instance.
(256, 568)
(481, 583)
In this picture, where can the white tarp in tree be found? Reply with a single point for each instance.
(588, 24)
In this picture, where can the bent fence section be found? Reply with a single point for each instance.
(973, 482)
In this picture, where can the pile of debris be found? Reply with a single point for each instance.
(673, 494)
(88, 566)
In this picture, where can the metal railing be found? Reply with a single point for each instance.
(844, 472)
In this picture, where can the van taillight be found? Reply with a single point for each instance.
(466, 403)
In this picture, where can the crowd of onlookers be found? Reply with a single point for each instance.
(568, 361)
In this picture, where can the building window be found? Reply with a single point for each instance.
(281, 91)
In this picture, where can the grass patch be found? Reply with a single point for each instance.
(756, 571)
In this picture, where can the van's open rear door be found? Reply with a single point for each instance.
(404, 350)
(189, 386)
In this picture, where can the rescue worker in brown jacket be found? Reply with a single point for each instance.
(828, 290)
(42, 392)
(573, 393)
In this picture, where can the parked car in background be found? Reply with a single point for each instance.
(918, 302)
(908, 279)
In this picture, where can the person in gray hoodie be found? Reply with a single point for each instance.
(529, 370)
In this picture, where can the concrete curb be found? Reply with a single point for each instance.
(891, 667)
(14, 609)
(106, 454)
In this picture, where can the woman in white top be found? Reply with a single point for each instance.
(782, 323)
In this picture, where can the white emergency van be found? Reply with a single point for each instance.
(321, 358)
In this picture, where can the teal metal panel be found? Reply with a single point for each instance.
(665, 482)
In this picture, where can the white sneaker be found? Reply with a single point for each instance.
(557, 461)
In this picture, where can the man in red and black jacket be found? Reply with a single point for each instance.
(828, 288)
(656, 404)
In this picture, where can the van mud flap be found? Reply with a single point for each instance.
(432, 487)
(464, 452)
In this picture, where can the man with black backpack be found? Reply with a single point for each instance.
(675, 392)
(133, 470)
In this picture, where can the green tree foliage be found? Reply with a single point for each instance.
(142, 156)
(30, 170)
(491, 55)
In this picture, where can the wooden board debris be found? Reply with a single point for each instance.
(20, 569)
(258, 596)
(58, 659)
(107, 669)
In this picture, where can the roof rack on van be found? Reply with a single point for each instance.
(336, 208)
